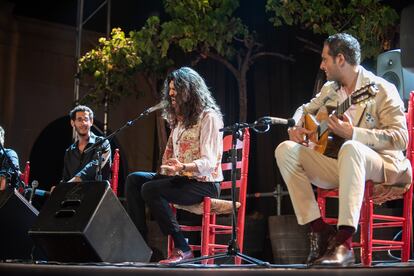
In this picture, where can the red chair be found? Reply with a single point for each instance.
(210, 208)
(25, 176)
(370, 221)
(115, 172)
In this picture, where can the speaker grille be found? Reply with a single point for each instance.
(393, 78)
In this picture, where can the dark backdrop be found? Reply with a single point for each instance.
(275, 87)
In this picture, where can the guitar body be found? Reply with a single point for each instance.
(311, 122)
(321, 140)
(326, 142)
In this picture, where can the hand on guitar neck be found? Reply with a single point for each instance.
(343, 128)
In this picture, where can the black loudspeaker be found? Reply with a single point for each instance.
(389, 67)
(85, 222)
(17, 215)
(407, 37)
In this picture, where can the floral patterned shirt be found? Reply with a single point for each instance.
(202, 144)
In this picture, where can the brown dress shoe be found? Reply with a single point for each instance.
(336, 255)
(177, 256)
(319, 243)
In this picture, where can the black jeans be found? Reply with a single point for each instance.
(158, 191)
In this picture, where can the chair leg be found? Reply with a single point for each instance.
(212, 237)
(367, 226)
(322, 205)
(205, 233)
(406, 229)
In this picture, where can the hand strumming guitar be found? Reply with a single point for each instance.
(298, 135)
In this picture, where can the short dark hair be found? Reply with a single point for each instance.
(80, 108)
(1, 135)
(345, 44)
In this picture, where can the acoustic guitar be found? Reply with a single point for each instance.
(321, 139)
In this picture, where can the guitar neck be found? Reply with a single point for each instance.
(343, 107)
(339, 111)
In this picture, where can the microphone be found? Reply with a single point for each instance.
(276, 121)
(156, 107)
(35, 184)
(40, 192)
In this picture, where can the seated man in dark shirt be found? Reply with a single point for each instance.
(7, 175)
(79, 166)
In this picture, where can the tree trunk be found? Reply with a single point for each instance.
(241, 73)
(242, 83)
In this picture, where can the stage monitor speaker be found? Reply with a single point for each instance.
(407, 37)
(85, 222)
(17, 215)
(389, 67)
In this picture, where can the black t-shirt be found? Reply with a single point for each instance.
(85, 165)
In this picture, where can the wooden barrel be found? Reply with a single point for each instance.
(290, 242)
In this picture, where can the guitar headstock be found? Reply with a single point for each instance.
(364, 93)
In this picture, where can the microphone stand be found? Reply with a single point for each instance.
(232, 249)
(98, 145)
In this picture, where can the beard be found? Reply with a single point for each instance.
(82, 132)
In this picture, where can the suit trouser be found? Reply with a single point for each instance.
(157, 191)
(300, 166)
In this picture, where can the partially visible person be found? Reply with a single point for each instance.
(191, 164)
(7, 176)
(80, 166)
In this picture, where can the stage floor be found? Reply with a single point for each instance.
(194, 269)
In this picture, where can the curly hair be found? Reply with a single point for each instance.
(193, 97)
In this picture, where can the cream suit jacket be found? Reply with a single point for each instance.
(379, 124)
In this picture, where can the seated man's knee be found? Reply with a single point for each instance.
(134, 181)
(148, 190)
(283, 149)
(350, 148)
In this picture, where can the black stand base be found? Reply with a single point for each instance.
(227, 255)
(232, 252)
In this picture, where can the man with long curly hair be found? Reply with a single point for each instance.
(191, 164)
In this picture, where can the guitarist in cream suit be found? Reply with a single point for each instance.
(375, 135)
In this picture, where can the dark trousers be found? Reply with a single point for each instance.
(157, 191)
